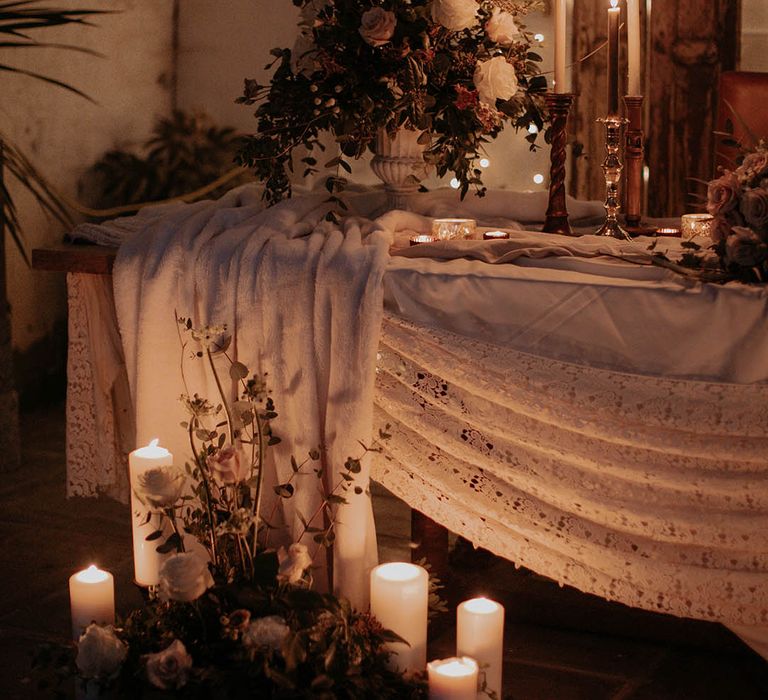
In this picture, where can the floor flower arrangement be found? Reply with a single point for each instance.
(233, 616)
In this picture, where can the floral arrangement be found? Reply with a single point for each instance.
(738, 200)
(455, 70)
(233, 616)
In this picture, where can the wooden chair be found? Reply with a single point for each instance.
(742, 112)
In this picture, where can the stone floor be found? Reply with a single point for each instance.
(560, 644)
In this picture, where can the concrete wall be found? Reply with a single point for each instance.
(754, 35)
(63, 134)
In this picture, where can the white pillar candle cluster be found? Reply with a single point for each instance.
(91, 598)
(399, 600)
(146, 560)
(453, 679)
(480, 635)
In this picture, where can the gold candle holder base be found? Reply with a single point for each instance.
(559, 105)
(612, 168)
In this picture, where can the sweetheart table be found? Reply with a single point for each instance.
(555, 400)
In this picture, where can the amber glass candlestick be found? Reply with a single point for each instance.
(558, 105)
(634, 152)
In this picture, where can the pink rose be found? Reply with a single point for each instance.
(377, 26)
(721, 229)
(754, 206)
(168, 669)
(745, 248)
(226, 466)
(722, 194)
(755, 166)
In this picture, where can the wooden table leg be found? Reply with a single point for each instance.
(430, 540)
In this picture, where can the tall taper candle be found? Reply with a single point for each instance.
(480, 635)
(91, 599)
(146, 560)
(614, 15)
(560, 45)
(399, 600)
(633, 48)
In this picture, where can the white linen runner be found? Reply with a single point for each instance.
(303, 301)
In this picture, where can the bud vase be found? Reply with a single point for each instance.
(399, 164)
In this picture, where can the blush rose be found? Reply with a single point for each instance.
(169, 669)
(377, 26)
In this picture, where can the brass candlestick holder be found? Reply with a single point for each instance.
(559, 105)
(634, 152)
(612, 168)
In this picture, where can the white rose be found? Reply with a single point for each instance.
(99, 652)
(293, 563)
(455, 14)
(184, 577)
(267, 631)
(169, 668)
(377, 26)
(160, 487)
(495, 79)
(501, 27)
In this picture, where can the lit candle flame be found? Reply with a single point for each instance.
(92, 575)
(614, 4)
(154, 443)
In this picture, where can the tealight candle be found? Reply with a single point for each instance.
(422, 238)
(495, 235)
(146, 560)
(480, 634)
(693, 225)
(453, 679)
(668, 231)
(91, 599)
(447, 229)
(399, 600)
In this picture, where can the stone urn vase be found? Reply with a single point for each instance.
(399, 164)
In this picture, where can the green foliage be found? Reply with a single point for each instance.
(185, 152)
(421, 79)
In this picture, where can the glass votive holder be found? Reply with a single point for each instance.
(421, 238)
(495, 235)
(448, 229)
(693, 225)
(668, 231)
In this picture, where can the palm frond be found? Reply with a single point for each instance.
(46, 79)
(19, 167)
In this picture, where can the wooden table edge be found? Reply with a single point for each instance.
(75, 257)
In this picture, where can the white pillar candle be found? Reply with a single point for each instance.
(633, 48)
(91, 599)
(480, 634)
(146, 560)
(453, 679)
(560, 46)
(399, 600)
(614, 16)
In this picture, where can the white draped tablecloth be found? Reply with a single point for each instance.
(599, 421)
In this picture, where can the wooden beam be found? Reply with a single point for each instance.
(75, 257)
